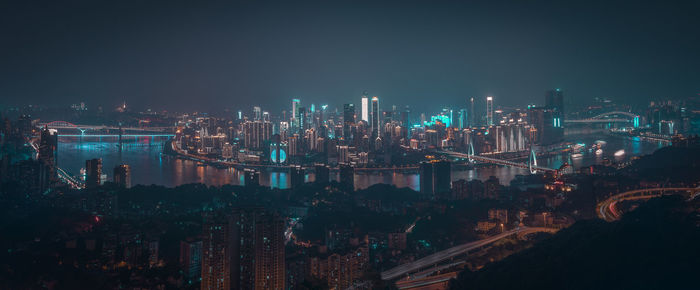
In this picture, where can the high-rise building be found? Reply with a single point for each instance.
(294, 146)
(435, 178)
(347, 176)
(376, 117)
(191, 260)
(257, 113)
(217, 240)
(489, 111)
(303, 122)
(295, 115)
(554, 100)
(48, 150)
(269, 252)
(348, 120)
(463, 123)
(547, 125)
(442, 177)
(256, 133)
(365, 108)
(122, 175)
(296, 176)
(426, 179)
(93, 173)
(343, 154)
(471, 113)
(243, 250)
(322, 174)
(405, 122)
(340, 271)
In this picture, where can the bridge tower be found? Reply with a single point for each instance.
(532, 161)
(121, 132)
(470, 153)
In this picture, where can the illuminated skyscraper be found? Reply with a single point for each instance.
(301, 119)
(463, 119)
(216, 267)
(48, 150)
(295, 115)
(376, 117)
(122, 175)
(269, 251)
(256, 133)
(93, 171)
(471, 113)
(546, 124)
(243, 250)
(489, 111)
(257, 113)
(348, 119)
(365, 108)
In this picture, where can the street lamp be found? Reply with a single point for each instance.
(544, 219)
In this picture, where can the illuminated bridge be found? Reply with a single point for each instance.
(531, 164)
(104, 131)
(62, 174)
(447, 255)
(607, 209)
(609, 117)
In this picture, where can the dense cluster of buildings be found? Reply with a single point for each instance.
(367, 136)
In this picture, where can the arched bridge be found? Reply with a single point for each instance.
(432, 260)
(607, 209)
(610, 117)
(82, 129)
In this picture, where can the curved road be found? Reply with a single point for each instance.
(416, 265)
(607, 209)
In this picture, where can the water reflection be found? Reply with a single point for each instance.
(150, 166)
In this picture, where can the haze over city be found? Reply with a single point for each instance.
(179, 55)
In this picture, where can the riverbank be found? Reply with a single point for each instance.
(170, 149)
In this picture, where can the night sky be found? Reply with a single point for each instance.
(179, 55)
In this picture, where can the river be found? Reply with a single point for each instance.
(150, 166)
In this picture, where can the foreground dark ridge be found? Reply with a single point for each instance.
(653, 247)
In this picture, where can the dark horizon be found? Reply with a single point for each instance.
(191, 56)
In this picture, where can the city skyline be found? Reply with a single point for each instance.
(288, 145)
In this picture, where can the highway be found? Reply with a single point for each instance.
(443, 255)
(607, 209)
(426, 282)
